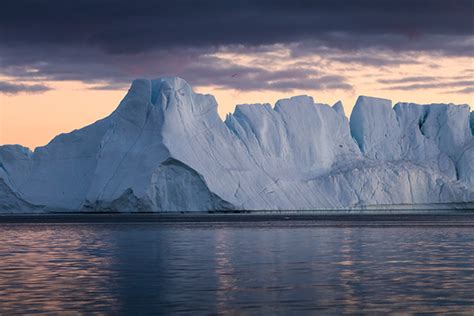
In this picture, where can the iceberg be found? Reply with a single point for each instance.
(165, 149)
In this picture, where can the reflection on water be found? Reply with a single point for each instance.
(225, 269)
(47, 269)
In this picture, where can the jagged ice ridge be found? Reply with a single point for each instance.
(165, 149)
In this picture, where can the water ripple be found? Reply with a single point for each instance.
(250, 269)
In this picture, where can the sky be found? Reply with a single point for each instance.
(66, 64)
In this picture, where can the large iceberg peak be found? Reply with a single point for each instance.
(162, 98)
(166, 86)
(173, 83)
(165, 148)
(160, 92)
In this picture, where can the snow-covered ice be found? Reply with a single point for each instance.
(165, 148)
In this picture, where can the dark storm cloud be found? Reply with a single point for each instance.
(15, 88)
(111, 42)
(254, 79)
(212, 70)
(92, 65)
(129, 26)
(245, 78)
(110, 72)
(440, 44)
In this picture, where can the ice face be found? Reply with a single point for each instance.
(375, 127)
(339, 108)
(165, 148)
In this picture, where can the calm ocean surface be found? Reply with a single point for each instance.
(235, 268)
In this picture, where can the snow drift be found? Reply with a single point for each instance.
(166, 149)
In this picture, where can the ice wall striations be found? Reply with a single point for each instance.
(166, 149)
(472, 122)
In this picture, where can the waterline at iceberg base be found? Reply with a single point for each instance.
(165, 149)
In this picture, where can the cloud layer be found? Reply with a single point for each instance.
(108, 43)
(15, 88)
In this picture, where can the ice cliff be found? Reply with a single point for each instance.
(166, 149)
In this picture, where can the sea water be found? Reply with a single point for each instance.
(236, 268)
